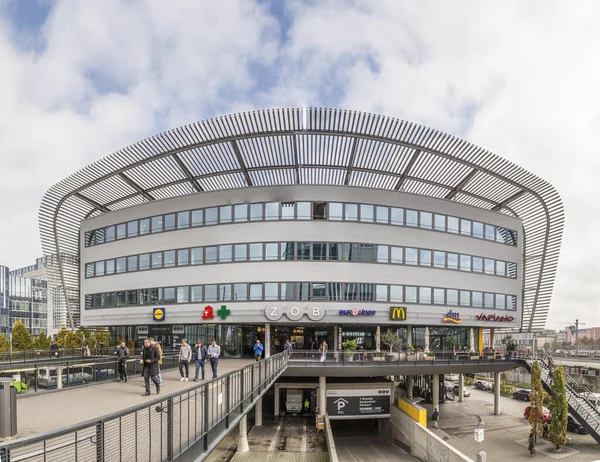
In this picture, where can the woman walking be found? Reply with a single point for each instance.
(531, 446)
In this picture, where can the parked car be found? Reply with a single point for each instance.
(448, 385)
(483, 385)
(451, 377)
(574, 426)
(466, 392)
(546, 416)
(524, 395)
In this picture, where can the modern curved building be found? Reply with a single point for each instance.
(308, 224)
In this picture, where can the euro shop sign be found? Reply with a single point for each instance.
(357, 312)
(397, 313)
(159, 314)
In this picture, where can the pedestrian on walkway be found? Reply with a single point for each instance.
(287, 346)
(258, 350)
(531, 446)
(122, 357)
(185, 356)
(214, 351)
(150, 369)
(158, 347)
(200, 355)
(435, 417)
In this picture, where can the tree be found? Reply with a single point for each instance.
(451, 342)
(391, 339)
(508, 341)
(21, 338)
(547, 346)
(559, 408)
(41, 342)
(537, 399)
(4, 343)
(69, 339)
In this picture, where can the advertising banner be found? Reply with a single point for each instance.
(359, 403)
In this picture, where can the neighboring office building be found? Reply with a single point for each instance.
(592, 333)
(309, 229)
(4, 300)
(523, 339)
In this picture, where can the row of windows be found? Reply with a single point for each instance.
(328, 291)
(301, 251)
(274, 211)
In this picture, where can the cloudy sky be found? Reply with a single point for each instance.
(79, 80)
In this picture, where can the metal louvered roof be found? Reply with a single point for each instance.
(312, 146)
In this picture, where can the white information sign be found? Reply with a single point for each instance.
(478, 434)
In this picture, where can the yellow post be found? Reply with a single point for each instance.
(480, 340)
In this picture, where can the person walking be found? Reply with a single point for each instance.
(287, 346)
(150, 370)
(185, 356)
(258, 350)
(200, 355)
(214, 351)
(323, 350)
(160, 358)
(436, 418)
(122, 357)
(531, 446)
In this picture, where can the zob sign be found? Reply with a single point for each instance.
(397, 313)
(294, 313)
(358, 403)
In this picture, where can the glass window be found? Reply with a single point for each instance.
(411, 256)
(122, 231)
(351, 212)
(169, 259)
(439, 259)
(302, 290)
(144, 226)
(465, 227)
(410, 294)
(477, 299)
(157, 224)
(240, 212)
(478, 229)
(157, 260)
(110, 234)
(451, 297)
(303, 251)
(121, 264)
(397, 216)
(240, 292)
(439, 222)
(383, 254)
(381, 293)
(225, 292)
(335, 211)
(121, 298)
(319, 251)
(287, 251)
(501, 268)
(288, 210)
(183, 257)
(366, 213)
(225, 253)
(256, 212)
(110, 299)
(489, 300)
(169, 294)
(512, 270)
(335, 251)
(89, 270)
(452, 260)
(210, 216)
(412, 217)
(241, 252)
(196, 292)
(197, 217)
(425, 295)
(500, 302)
(425, 257)
(465, 298)
(256, 291)
(426, 220)
(109, 266)
(336, 291)
(465, 263)
(183, 294)
(383, 214)
(271, 292)
(367, 253)
(350, 252)
(132, 228)
(272, 210)
(132, 297)
(304, 210)
(197, 258)
(287, 290)
(89, 240)
(350, 292)
(438, 297)
(183, 220)
(271, 251)
(156, 295)
(397, 255)
(210, 254)
(225, 212)
(170, 222)
(478, 264)
(511, 302)
(144, 261)
(256, 252)
(501, 235)
(210, 293)
(489, 232)
(144, 297)
(366, 292)
(99, 268)
(489, 266)
(396, 294)
(452, 225)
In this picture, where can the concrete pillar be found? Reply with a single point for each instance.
(243, 438)
(461, 386)
(409, 386)
(497, 378)
(335, 345)
(277, 404)
(435, 393)
(267, 340)
(322, 395)
(378, 339)
(491, 337)
(258, 412)
(409, 340)
(59, 371)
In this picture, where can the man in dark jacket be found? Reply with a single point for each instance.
(122, 357)
(200, 356)
(150, 370)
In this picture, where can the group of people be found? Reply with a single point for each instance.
(199, 354)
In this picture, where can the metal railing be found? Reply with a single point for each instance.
(161, 429)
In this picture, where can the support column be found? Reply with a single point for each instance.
(267, 340)
(409, 386)
(277, 404)
(435, 392)
(378, 339)
(461, 387)
(497, 379)
(409, 340)
(322, 395)
(491, 337)
(243, 438)
(335, 338)
(59, 372)
(258, 412)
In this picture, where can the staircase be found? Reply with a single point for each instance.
(577, 395)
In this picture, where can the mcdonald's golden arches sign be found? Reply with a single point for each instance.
(397, 313)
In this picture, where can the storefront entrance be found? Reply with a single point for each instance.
(364, 336)
(302, 337)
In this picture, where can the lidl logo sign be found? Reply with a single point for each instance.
(159, 314)
(452, 317)
(398, 313)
